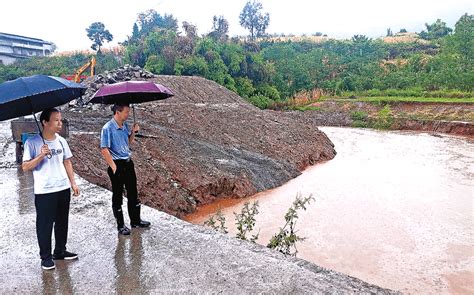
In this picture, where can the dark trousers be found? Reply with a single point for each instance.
(52, 209)
(125, 177)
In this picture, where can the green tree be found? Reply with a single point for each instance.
(98, 34)
(151, 20)
(436, 30)
(244, 87)
(220, 28)
(155, 64)
(192, 66)
(360, 39)
(253, 19)
(135, 33)
(463, 39)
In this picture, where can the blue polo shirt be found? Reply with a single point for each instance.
(116, 140)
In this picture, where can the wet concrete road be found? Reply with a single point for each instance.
(392, 208)
(172, 256)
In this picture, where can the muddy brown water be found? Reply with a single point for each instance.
(393, 208)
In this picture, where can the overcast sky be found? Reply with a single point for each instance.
(64, 22)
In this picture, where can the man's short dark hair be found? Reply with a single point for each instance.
(118, 107)
(46, 114)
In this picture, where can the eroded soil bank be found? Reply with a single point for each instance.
(449, 118)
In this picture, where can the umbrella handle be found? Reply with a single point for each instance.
(133, 110)
(134, 118)
(49, 156)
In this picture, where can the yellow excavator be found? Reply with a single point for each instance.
(78, 77)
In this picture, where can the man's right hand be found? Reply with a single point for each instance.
(114, 168)
(45, 150)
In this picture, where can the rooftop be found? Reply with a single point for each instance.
(23, 38)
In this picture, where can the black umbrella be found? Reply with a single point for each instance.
(29, 95)
(131, 92)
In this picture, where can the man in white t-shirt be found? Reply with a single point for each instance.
(53, 179)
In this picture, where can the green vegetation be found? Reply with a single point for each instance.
(245, 221)
(286, 238)
(359, 115)
(391, 99)
(410, 92)
(267, 72)
(260, 101)
(384, 119)
(359, 119)
(57, 65)
(217, 222)
(304, 108)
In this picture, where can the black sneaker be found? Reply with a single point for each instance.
(142, 224)
(125, 231)
(65, 256)
(47, 264)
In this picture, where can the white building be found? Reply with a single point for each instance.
(14, 47)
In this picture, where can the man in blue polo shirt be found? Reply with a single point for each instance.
(114, 143)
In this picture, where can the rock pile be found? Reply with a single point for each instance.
(125, 73)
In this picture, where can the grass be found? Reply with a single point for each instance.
(389, 99)
(304, 108)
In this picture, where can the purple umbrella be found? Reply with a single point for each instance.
(131, 92)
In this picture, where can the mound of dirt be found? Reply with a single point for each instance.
(204, 143)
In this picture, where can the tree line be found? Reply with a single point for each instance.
(264, 70)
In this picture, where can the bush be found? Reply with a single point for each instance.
(269, 91)
(360, 124)
(260, 101)
(359, 116)
(285, 240)
(384, 119)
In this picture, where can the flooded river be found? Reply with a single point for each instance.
(393, 208)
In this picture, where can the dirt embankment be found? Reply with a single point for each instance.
(206, 143)
(449, 118)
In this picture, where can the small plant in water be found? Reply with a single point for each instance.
(285, 241)
(217, 222)
(245, 221)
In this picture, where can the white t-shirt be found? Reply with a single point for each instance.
(50, 175)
